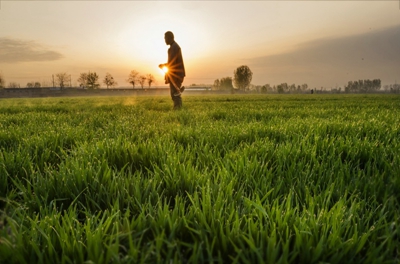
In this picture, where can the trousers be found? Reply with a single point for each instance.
(174, 88)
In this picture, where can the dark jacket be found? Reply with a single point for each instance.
(176, 68)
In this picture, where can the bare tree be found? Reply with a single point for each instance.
(13, 85)
(132, 78)
(109, 80)
(45, 83)
(2, 81)
(142, 80)
(243, 76)
(82, 80)
(150, 79)
(62, 79)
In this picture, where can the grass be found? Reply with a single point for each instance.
(229, 179)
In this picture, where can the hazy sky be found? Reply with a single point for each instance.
(322, 43)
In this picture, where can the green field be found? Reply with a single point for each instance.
(228, 179)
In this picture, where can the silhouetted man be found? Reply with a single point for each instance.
(176, 70)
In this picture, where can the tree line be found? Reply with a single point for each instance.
(242, 80)
(393, 88)
(242, 77)
(363, 86)
(89, 80)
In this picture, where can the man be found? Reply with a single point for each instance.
(176, 70)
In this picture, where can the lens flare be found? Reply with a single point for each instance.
(165, 69)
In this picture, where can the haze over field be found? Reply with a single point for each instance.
(323, 43)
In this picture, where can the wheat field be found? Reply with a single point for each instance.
(227, 179)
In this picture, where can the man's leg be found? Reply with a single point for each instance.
(177, 99)
(177, 102)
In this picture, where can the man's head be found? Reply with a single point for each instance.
(169, 37)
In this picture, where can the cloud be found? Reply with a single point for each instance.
(375, 54)
(15, 50)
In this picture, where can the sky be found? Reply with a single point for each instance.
(321, 43)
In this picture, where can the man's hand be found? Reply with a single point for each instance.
(177, 93)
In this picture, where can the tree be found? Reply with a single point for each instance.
(386, 88)
(45, 83)
(223, 84)
(226, 83)
(13, 85)
(376, 84)
(109, 80)
(142, 80)
(395, 88)
(150, 79)
(2, 81)
(266, 88)
(257, 88)
(82, 80)
(92, 80)
(216, 84)
(292, 88)
(132, 78)
(242, 77)
(33, 85)
(62, 79)
(282, 88)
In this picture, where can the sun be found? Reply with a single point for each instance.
(164, 69)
